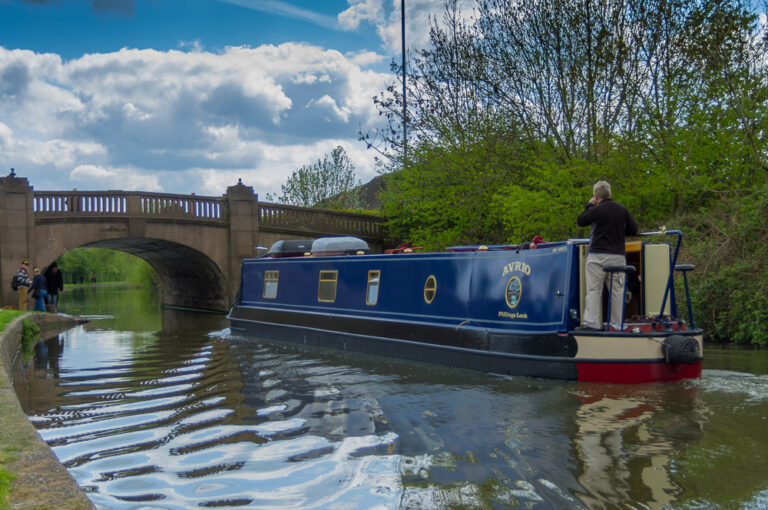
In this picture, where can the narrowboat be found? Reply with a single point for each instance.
(506, 309)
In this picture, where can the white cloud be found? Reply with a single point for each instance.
(182, 121)
(365, 58)
(228, 150)
(52, 154)
(130, 111)
(385, 16)
(277, 166)
(360, 11)
(329, 104)
(97, 177)
(286, 9)
(195, 45)
(418, 14)
(6, 138)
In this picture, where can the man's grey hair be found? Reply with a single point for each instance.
(602, 190)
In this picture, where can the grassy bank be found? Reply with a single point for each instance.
(6, 316)
(30, 474)
(7, 452)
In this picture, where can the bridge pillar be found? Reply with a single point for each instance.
(243, 207)
(17, 228)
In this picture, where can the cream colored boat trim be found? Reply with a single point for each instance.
(618, 348)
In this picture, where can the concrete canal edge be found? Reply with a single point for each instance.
(40, 481)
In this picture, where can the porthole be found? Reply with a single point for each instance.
(514, 291)
(270, 284)
(430, 289)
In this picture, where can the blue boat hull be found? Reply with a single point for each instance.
(470, 349)
(507, 311)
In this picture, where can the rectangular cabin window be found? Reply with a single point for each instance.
(270, 284)
(326, 288)
(372, 292)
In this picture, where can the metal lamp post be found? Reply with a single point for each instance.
(405, 119)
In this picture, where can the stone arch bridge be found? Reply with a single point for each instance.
(194, 243)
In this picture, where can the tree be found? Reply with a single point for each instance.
(518, 107)
(81, 264)
(328, 183)
(668, 98)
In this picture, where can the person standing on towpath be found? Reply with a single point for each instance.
(55, 281)
(39, 290)
(21, 284)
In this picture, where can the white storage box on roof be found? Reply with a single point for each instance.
(339, 246)
(290, 248)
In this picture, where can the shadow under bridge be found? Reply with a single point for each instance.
(187, 277)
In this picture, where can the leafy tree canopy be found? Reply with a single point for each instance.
(516, 110)
(329, 183)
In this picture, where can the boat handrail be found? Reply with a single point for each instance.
(663, 231)
(504, 247)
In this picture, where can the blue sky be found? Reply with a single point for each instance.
(72, 28)
(183, 96)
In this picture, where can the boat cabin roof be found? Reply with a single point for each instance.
(348, 245)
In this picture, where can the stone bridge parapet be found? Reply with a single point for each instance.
(195, 243)
(51, 204)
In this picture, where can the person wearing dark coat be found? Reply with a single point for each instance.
(610, 223)
(39, 290)
(55, 281)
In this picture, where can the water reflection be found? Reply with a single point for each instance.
(628, 438)
(187, 415)
(114, 307)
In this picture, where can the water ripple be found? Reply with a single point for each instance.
(154, 427)
(755, 387)
(206, 420)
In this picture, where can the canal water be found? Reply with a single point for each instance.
(152, 408)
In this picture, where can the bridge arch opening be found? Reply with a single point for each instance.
(187, 277)
(102, 265)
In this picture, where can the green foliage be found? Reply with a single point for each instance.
(515, 112)
(443, 197)
(6, 477)
(30, 331)
(140, 273)
(30, 334)
(84, 264)
(6, 316)
(728, 242)
(328, 183)
(532, 207)
(496, 190)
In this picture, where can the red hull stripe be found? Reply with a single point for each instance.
(631, 373)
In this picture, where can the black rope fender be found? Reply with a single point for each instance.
(681, 349)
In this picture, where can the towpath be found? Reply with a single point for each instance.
(39, 481)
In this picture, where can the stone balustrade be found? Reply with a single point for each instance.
(46, 204)
(287, 218)
(272, 217)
